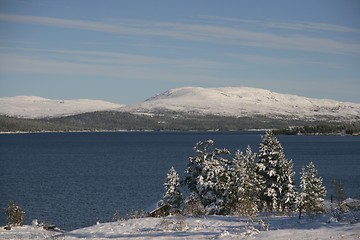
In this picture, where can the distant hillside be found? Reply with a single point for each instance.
(230, 102)
(177, 109)
(37, 107)
(248, 102)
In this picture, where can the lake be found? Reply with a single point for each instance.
(73, 179)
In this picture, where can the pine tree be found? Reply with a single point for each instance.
(246, 184)
(195, 165)
(279, 192)
(172, 196)
(311, 197)
(208, 176)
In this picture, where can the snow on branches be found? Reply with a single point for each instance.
(245, 184)
(172, 196)
(208, 176)
(279, 191)
(313, 192)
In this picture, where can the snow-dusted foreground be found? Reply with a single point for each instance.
(207, 227)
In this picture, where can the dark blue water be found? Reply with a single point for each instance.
(73, 179)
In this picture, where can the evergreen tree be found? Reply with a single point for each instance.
(208, 176)
(313, 192)
(196, 164)
(278, 192)
(172, 196)
(246, 184)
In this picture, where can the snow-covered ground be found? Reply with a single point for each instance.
(207, 227)
(37, 107)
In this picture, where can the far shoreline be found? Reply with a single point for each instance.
(180, 131)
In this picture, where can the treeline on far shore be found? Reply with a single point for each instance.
(173, 121)
(117, 121)
(323, 129)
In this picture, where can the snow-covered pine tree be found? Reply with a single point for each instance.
(313, 192)
(172, 196)
(195, 165)
(208, 176)
(279, 192)
(246, 184)
(288, 193)
(214, 184)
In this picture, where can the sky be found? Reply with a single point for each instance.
(126, 51)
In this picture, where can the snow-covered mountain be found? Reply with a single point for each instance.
(228, 101)
(244, 101)
(37, 107)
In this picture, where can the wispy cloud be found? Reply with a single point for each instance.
(207, 33)
(259, 59)
(107, 64)
(280, 61)
(116, 58)
(290, 25)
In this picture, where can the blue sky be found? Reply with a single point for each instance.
(126, 51)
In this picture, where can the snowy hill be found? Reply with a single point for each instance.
(228, 102)
(243, 101)
(37, 107)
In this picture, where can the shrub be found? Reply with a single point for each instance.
(338, 191)
(137, 214)
(117, 216)
(15, 215)
(193, 206)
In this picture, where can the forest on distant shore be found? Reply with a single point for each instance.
(323, 129)
(172, 121)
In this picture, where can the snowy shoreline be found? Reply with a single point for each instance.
(115, 131)
(78, 131)
(205, 227)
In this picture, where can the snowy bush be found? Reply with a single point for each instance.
(347, 211)
(338, 191)
(117, 216)
(137, 214)
(193, 206)
(15, 215)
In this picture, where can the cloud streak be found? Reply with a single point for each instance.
(105, 64)
(289, 25)
(117, 58)
(211, 33)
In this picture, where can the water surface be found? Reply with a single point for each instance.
(73, 179)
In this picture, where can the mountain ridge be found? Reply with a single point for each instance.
(226, 101)
(245, 101)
